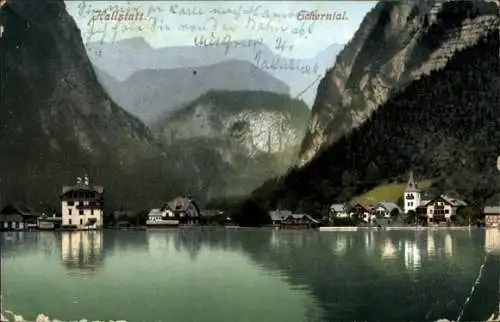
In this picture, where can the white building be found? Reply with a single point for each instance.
(161, 217)
(339, 210)
(412, 195)
(441, 208)
(181, 210)
(82, 205)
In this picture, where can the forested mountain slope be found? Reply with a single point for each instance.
(445, 126)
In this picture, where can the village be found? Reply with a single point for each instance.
(82, 208)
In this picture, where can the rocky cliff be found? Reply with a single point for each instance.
(229, 142)
(56, 121)
(397, 42)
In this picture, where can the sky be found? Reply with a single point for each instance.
(278, 24)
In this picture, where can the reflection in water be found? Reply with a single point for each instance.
(492, 240)
(431, 244)
(448, 245)
(412, 255)
(82, 249)
(369, 241)
(340, 244)
(324, 276)
(389, 251)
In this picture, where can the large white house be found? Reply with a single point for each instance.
(441, 208)
(82, 205)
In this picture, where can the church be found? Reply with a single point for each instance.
(436, 210)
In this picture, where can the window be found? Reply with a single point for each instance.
(69, 221)
(81, 212)
(447, 211)
(71, 203)
(91, 211)
(70, 211)
(81, 221)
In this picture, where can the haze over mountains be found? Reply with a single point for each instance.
(121, 60)
(152, 95)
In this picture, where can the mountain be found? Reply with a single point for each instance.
(151, 95)
(128, 56)
(444, 126)
(56, 121)
(227, 143)
(396, 43)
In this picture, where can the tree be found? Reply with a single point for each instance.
(466, 215)
(411, 217)
(394, 213)
(372, 173)
(251, 215)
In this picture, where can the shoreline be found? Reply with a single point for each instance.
(264, 228)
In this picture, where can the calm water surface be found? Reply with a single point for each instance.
(278, 276)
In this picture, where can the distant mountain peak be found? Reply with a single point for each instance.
(134, 43)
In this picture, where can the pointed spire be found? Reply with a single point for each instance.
(411, 185)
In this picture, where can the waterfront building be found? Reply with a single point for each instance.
(49, 223)
(299, 221)
(365, 212)
(162, 217)
(442, 208)
(492, 216)
(339, 210)
(18, 217)
(277, 216)
(82, 205)
(181, 210)
(385, 209)
(287, 219)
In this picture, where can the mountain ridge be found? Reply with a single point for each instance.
(234, 140)
(369, 67)
(120, 60)
(153, 94)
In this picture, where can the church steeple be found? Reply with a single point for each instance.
(411, 185)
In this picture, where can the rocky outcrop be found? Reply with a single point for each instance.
(396, 43)
(229, 142)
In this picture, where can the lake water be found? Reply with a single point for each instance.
(276, 276)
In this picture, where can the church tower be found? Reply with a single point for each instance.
(411, 195)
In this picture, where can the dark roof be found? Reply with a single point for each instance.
(450, 201)
(277, 215)
(390, 206)
(11, 218)
(366, 207)
(491, 210)
(411, 185)
(338, 207)
(180, 204)
(18, 209)
(82, 187)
